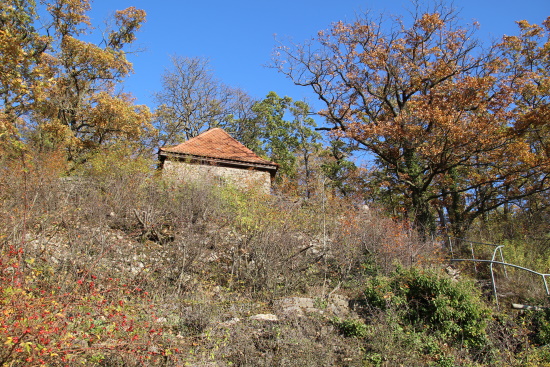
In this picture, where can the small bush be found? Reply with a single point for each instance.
(426, 299)
(351, 328)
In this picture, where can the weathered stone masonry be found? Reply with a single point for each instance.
(241, 177)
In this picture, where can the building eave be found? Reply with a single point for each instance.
(272, 168)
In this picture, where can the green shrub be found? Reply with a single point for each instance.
(539, 325)
(389, 342)
(429, 301)
(351, 327)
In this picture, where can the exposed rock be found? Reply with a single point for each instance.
(299, 306)
(338, 305)
(294, 305)
(264, 317)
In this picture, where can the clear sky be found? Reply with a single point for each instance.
(239, 36)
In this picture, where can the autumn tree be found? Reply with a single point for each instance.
(434, 108)
(21, 48)
(81, 107)
(528, 67)
(528, 57)
(193, 100)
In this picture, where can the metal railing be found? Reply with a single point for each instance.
(493, 261)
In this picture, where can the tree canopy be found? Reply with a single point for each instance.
(452, 125)
(193, 100)
(63, 86)
(21, 48)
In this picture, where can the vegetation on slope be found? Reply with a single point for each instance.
(120, 268)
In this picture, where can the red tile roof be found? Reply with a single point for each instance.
(217, 144)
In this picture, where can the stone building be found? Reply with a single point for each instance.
(215, 156)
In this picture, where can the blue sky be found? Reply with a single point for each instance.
(238, 36)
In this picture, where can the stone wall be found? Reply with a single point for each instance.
(242, 178)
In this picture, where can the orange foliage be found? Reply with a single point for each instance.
(435, 109)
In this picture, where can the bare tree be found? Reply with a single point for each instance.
(193, 100)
